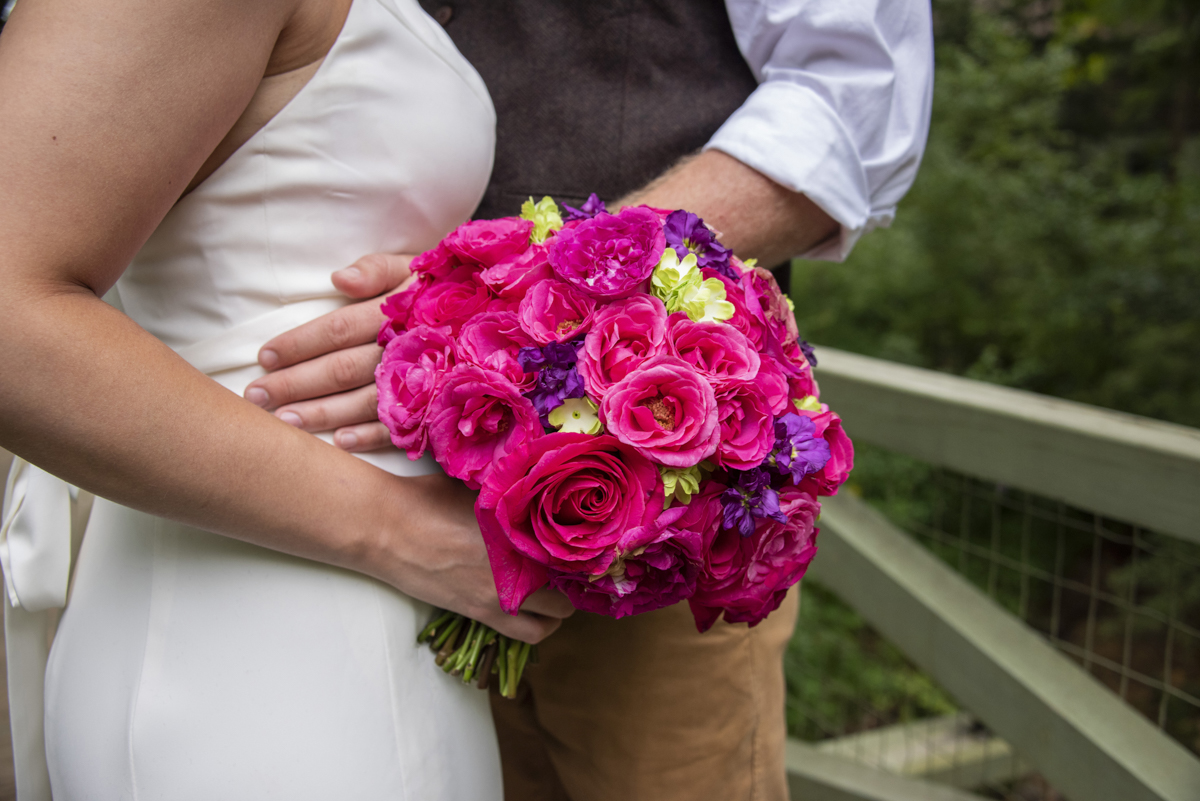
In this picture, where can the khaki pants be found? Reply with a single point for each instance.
(647, 709)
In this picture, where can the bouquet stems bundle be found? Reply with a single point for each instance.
(474, 652)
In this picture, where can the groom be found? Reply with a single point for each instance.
(812, 117)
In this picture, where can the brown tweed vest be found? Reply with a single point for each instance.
(595, 95)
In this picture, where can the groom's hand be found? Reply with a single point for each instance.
(321, 375)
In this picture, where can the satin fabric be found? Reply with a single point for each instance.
(191, 666)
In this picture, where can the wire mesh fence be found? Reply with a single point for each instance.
(1121, 601)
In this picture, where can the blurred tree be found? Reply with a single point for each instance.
(1051, 241)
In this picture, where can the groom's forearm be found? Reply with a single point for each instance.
(755, 216)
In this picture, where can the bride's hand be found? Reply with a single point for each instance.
(441, 559)
(321, 375)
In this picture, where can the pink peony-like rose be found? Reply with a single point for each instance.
(624, 334)
(610, 255)
(719, 352)
(486, 242)
(397, 308)
(770, 308)
(746, 578)
(743, 319)
(450, 302)
(492, 340)
(476, 417)
(406, 378)
(436, 263)
(747, 426)
(570, 502)
(774, 385)
(555, 312)
(666, 410)
(512, 277)
(841, 450)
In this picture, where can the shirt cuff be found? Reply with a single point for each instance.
(792, 136)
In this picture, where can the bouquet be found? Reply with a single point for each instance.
(632, 402)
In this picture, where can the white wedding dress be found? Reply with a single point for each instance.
(192, 666)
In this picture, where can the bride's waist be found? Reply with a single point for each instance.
(231, 359)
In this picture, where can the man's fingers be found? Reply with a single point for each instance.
(373, 275)
(332, 411)
(363, 437)
(548, 603)
(326, 375)
(357, 324)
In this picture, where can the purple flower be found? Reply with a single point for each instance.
(687, 233)
(809, 354)
(798, 450)
(557, 377)
(591, 207)
(749, 498)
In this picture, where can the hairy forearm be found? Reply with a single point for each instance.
(93, 398)
(755, 216)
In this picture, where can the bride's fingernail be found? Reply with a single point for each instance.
(292, 419)
(268, 359)
(347, 441)
(257, 395)
(350, 273)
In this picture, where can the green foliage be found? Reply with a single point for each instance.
(1026, 254)
(842, 677)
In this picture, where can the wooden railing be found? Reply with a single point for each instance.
(1075, 731)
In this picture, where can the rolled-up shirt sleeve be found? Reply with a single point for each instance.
(841, 112)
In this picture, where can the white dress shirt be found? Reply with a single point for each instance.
(841, 112)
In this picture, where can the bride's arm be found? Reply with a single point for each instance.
(107, 110)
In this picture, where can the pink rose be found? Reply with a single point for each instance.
(746, 578)
(610, 255)
(476, 417)
(436, 263)
(666, 410)
(768, 306)
(774, 385)
(841, 450)
(719, 352)
(554, 312)
(747, 426)
(406, 379)
(492, 340)
(624, 334)
(512, 277)
(450, 302)
(397, 308)
(486, 242)
(574, 503)
(655, 575)
(743, 320)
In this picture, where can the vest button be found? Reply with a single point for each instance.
(443, 14)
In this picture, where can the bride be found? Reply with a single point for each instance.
(244, 606)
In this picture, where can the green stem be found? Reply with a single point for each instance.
(454, 664)
(514, 653)
(447, 632)
(429, 631)
(502, 662)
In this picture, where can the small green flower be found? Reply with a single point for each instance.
(678, 284)
(679, 484)
(809, 403)
(545, 217)
(576, 416)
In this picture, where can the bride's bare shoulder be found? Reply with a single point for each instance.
(129, 99)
